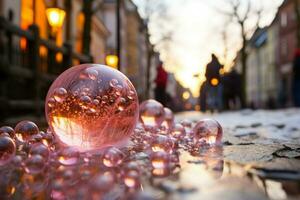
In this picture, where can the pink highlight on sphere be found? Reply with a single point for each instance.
(85, 109)
(151, 114)
(208, 131)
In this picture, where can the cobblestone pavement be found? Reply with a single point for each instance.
(260, 159)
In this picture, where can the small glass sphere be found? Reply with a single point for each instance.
(48, 139)
(131, 166)
(131, 179)
(160, 160)
(24, 130)
(17, 161)
(9, 130)
(161, 143)
(103, 182)
(69, 156)
(161, 172)
(92, 106)
(7, 150)
(188, 125)
(40, 149)
(208, 131)
(35, 164)
(168, 122)
(151, 114)
(178, 131)
(112, 157)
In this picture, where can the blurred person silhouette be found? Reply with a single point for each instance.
(232, 90)
(296, 78)
(161, 84)
(211, 91)
(214, 88)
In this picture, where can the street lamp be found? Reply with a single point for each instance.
(112, 61)
(55, 17)
(186, 95)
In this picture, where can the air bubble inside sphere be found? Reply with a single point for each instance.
(92, 106)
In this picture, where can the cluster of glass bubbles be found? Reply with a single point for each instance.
(95, 148)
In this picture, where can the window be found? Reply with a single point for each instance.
(284, 47)
(79, 31)
(283, 19)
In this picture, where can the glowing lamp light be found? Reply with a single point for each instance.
(214, 82)
(112, 61)
(55, 17)
(186, 95)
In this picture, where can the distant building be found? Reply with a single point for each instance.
(135, 45)
(26, 12)
(270, 58)
(261, 71)
(287, 28)
(154, 63)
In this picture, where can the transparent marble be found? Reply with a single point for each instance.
(9, 130)
(40, 149)
(208, 131)
(25, 130)
(69, 156)
(132, 179)
(151, 114)
(7, 150)
(160, 160)
(35, 164)
(168, 122)
(112, 157)
(92, 106)
(161, 143)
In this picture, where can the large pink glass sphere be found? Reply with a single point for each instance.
(92, 106)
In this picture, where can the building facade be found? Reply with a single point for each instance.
(34, 52)
(270, 60)
(287, 28)
(135, 53)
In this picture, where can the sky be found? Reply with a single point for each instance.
(196, 28)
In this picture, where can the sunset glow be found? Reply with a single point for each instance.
(187, 54)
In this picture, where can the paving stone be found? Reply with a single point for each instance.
(247, 154)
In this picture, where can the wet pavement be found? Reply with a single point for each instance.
(260, 159)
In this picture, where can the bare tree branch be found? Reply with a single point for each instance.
(240, 16)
